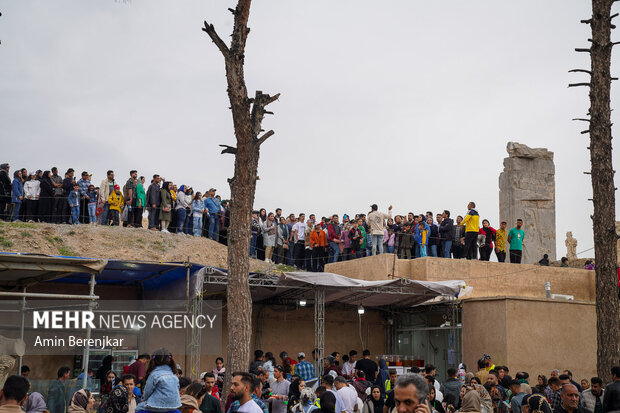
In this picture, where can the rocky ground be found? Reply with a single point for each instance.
(114, 242)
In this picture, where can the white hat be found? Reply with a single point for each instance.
(301, 354)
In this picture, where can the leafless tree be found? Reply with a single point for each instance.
(603, 190)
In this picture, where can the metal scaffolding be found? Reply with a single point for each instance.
(319, 326)
(196, 343)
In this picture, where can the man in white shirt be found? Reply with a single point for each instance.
(348, 368)
(241, 390)
(347, 393)
(299, 236)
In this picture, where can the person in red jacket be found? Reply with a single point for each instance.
(489, 236)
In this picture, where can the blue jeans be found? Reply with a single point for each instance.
(197, 226)
(253, 245)
(104, 214)
(181, 212)
(16, 207)
(423, 251)
(377, 241)
(75, 214)
(334, 251)
(446, 246)
(433, 250)
(390, 250)
(214, 226)
(92, 213)
(189, 224)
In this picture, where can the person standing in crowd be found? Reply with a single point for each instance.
(334, 238)
(14, 394)
(304, 368)
(129, 194)
(472, 227)
(74, 204)
(32, 191)
(376, 220)
(140, 203)
(611, 400)
(115, 201)
(282, 241)
(489, 235)
(212, 204)
(92, 205)
(46, 198)
(165, 213)
(56, 395)
(592, 398)
(279, 389)
(255, 229)
(446, 233)
(83, 184)
(241, 391)
(161, 390)
(268, 228)
(180, 209)
(57, 202)
(570, 401)
(153, 197)
(5, 191)
(515, 239)
(198, 210)
(434, 242)
(318, 240)
(299, 236)
(17, 195)
(368, 366)
(129, 382)
(458, 243)
(105, 189)
(500, 242)
(422, 238)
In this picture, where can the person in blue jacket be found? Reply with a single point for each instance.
(17, 194)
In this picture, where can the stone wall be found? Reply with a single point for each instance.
(527, 191)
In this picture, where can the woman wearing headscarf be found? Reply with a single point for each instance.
(542, 384)
(537, 403)
(374, 403)
(165, 215)
(32, 191)
(102, 372)
(436, 406)
(294, 392)
(35, 403)
(118, 402)
(383, 376)
(328, 402)
(81, 402)
(46, 197)
(471, 402)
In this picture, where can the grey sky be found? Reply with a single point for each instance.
(404, 102)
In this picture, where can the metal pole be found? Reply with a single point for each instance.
(45, 295)
(86, 356)
(21, 334)
(319, 327)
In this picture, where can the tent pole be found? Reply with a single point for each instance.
(21, 333)
(86, 356)
(319, 327)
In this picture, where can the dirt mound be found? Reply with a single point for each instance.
(114, 242)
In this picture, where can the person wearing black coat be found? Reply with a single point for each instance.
(446, 233)
(5, 191)
(46, 198)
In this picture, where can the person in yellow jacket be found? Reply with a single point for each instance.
(116, 202)
(472, 226)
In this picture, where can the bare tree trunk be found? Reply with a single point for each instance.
(603, 190)
(247, 115)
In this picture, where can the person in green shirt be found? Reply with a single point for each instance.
(140, 203)
(363, 238)
(515, 239)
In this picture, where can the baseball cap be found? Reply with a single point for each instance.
(301, 354)
(212, 189)
(116, 187)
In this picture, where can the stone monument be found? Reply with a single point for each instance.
(571, 246)
(527, 191)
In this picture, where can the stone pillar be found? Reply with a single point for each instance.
(527, 191)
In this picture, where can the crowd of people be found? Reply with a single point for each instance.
(154, 383)
(305, 242)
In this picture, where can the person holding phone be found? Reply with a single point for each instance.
(410, 394)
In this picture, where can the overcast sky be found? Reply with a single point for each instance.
(407, 102)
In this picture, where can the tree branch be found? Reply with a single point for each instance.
(271, 99)
(210, 30)
(578, 84)
(581, 71)
(582, 119)
(582, 50)
(263, 138)
(229, 149)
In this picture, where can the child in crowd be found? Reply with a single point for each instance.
(74, 204)
(92, 204)
(161, 388)
(390, 241)
(198, 208)
(116, 202)
(422, 239)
